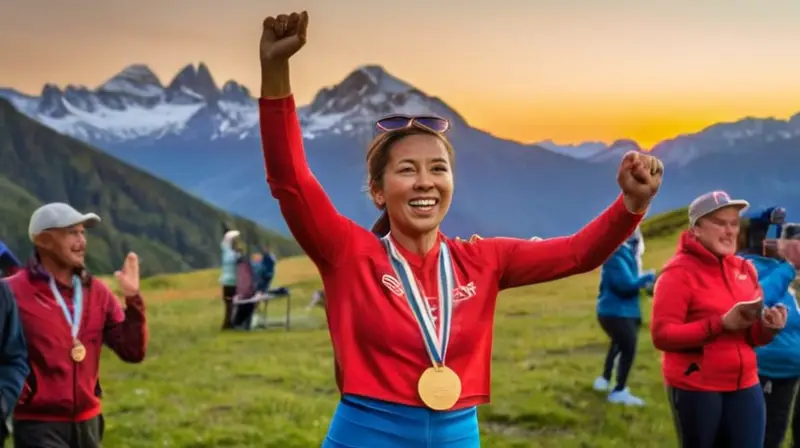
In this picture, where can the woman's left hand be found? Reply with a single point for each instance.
(639, 177)
(774, 318)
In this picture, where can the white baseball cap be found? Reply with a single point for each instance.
(710, 202)
(58, 215)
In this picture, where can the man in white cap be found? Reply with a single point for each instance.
(67, 315)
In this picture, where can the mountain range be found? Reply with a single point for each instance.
(205, 139)
(169, 229)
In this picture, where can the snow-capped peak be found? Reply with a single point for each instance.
(135, 104)
(366, 94)
(193, 84)
(135, 80)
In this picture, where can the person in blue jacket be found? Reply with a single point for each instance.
(264, 268)
(779, 361)
(14, 367)
(620, 316)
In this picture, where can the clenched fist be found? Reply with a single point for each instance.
(283, 36)
(639, 177)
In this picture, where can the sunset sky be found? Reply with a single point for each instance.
(568, 70)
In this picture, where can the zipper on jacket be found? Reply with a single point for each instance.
(738, 347)
(74, 395)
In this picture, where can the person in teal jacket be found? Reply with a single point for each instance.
(227, 276)
(778, 361)
(620, 316)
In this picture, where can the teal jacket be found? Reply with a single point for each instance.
(229, 257)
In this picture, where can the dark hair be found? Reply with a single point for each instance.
(378, 156)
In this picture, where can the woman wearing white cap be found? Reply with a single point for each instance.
(227, 277)
(708, 315)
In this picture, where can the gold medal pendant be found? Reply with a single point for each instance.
(78, 351)
(439, 388)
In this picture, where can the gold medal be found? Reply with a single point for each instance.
(78, 351)
(439, 388)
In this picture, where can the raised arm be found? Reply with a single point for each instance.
(323, 233)
(524, 262)
(125, 332)
(668, 326)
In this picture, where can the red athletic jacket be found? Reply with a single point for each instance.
(378, 350)
(58, 388)
(693, 292)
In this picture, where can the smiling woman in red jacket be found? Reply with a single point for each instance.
(707, 318)
(410, 311)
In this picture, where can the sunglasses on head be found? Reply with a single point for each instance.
(397, 122)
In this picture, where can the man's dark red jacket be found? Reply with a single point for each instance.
(58, 388)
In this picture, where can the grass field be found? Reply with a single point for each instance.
(199, 387)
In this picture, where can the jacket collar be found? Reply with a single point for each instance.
(36, 271)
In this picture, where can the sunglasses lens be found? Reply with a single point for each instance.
(393, 123)
(434, 123)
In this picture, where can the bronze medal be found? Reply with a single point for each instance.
(78, 351)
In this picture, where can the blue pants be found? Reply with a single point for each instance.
(719, 419)
(361, 422)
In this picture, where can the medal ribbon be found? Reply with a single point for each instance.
(436, 342)
(77, 304)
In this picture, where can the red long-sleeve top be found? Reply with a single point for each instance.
(379, 352)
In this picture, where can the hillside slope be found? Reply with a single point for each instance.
(169, 229)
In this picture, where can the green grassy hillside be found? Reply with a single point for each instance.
(170, 229)
(201, 388)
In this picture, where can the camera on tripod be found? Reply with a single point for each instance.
(756, 232)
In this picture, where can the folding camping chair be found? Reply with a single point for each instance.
(260, 318)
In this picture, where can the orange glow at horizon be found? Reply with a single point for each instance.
(574, 70)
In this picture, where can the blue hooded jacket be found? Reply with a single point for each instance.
(781, 357)
(621, 281)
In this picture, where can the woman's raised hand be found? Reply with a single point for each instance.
(283, 36)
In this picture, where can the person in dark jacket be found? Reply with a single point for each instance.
(778, 361)
(267, 269)
(67, 316)
(13, 358)
(620, 316)
(263, 263)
